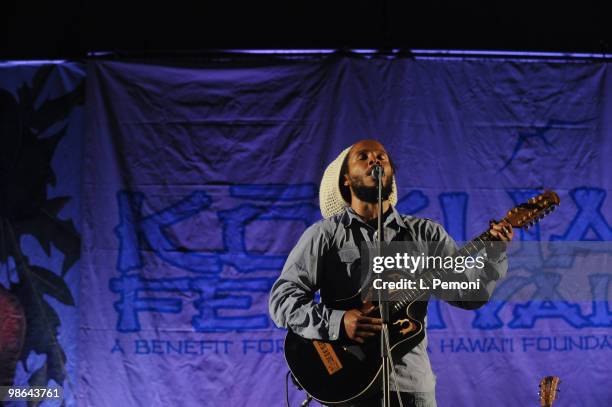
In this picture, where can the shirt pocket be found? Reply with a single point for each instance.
(351, 260)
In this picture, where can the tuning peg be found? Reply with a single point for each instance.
(527, 226)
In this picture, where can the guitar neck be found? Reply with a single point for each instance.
(405, 297)
(523, 215)
(548, 390)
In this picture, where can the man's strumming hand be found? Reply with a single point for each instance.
(358, 326)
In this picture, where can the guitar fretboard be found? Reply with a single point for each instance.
(404, 297)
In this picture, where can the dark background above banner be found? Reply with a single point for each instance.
(73, 29)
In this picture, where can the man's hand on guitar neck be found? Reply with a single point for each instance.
(359, 327)
(502, 232)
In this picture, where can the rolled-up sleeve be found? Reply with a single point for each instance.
(292, 303)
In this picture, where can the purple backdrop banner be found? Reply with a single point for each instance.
(199, 179)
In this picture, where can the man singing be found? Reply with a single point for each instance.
(327, 258)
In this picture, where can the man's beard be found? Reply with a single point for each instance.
(370, 194)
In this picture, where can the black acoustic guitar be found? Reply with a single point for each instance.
(337, 373)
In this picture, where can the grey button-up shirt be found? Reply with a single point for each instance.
(327, 258)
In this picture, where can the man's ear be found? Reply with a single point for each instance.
(346, 181)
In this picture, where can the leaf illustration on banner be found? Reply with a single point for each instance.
(48, 229)
(31, 126)
(47, 282)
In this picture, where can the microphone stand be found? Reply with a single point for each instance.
(384, 305)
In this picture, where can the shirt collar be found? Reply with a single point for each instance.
(349, 216)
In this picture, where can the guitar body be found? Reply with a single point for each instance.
(341, 372)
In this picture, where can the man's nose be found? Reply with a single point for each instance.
(373, 161)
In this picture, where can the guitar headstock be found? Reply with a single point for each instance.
(531, 212)
(549, 386)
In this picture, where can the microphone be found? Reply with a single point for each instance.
(378, 172)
